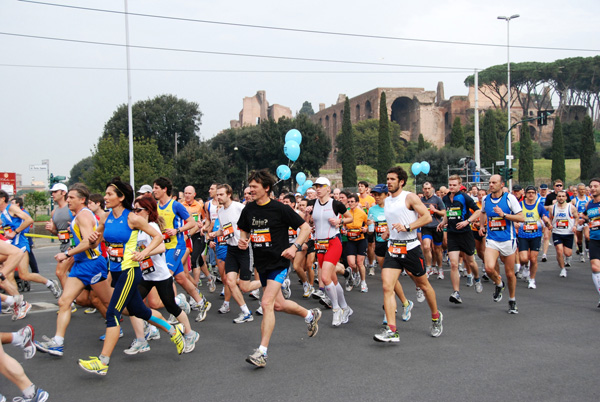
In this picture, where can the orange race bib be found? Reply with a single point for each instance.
(562, 223)
(64, 236)
(227, 231)
(292, 234)
(497, 223)
(353, 233)
(595, 223)
(260, 238)
(147, 266)
(397, 249)
(381, 227)
(166, 237)
(530, 227)
(115, 252)
(321, 246)
(7, 229)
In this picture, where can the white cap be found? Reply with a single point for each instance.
(59, 186)
(324, 181)
(145, 189)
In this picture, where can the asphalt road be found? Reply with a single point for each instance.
(547, 352)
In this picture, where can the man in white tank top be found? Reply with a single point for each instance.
(404, 213)
(563, 215)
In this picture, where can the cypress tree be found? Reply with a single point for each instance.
(588, 148)
(385, 155)
(347, 149)
(421, 143)
(457, 135)
(490, 148)
(558, 153)
(526, 157)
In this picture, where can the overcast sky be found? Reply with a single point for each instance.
(56, 96)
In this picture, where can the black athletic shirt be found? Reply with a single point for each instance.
(268, 228)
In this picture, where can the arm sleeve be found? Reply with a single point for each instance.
(513, 204)
(339, 208)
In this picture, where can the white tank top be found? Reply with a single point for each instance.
(213, 210)
(396, 212)
(321, 215)
(562, 220)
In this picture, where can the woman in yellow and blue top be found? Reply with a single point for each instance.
(120, 230)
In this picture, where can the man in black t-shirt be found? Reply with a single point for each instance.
(551, 197)
(264, 225)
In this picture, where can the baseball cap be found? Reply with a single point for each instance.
(59, 186)
(530, 188)
(145, 189)
(517, 187)
(542, 186)
(380, 189)
(323, 181)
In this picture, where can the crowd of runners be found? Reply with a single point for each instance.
(127, 253)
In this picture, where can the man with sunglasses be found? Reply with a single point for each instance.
(563, 215)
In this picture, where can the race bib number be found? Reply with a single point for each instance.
(261, 238)
(166, 237)
(562, 223)
(195, 216)
(227, 231)
(497, 223)
(454, 213)
(292, 234)
(530, 227)
(115, 252)
(353, 233)
(381, 227)
(147, 266)
(321, 246)
(397, 249)
(595, 223)
(7, 229)
(64, 236)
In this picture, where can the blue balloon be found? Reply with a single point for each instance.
(416, 168)
(300, 178)
(283, 172)
(308, 184)
(299, 190)
(293, 135)
(291, 149)
(425, 168)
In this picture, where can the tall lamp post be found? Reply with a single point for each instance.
(509, 154)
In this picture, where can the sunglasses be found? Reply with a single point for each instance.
(138, 210)
(558, 185)
(319, 185)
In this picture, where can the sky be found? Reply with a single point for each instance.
(56, 95)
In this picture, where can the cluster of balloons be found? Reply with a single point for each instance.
(422, 167)
(291, 149)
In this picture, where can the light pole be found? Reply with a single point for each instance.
(509, 154)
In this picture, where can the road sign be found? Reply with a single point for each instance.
(38, 167)
(499, 163)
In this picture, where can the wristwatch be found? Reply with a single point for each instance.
(67, 253)
(2, 277)
(407, 227)
(178, 231)
(298, 246)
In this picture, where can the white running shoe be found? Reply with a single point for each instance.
(337, 317)
(420, 295)
(531, 284)
(563, 273)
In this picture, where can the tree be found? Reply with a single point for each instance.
(163, 119)
(111, 159)
(35, 200)
(439, 161)
(572, 139)
(366, 142)
(347, 149)
(421, 143)
(385, 155)
(457, 135)
(491, 151)
(80, 169)
(200, 166)
(306, 109)
(588, 148)
(525, 157)
(558, 170)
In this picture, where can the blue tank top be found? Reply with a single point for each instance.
(499, 228)
(121, 242)
(10, 224)
(89, 254)
(580, 204)
(593, 213)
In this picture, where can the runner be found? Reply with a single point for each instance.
(404, 213)
(592, 216)
(546, 232)
(499, 213)
(11, 257)
(12, 370)
(563, 215)
(59, 226)
(265, 224)
(356, 248)
(366, 201)
(580, 201)
(432, 238)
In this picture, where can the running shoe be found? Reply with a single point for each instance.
(519, 273)
(544, 259)
(526, 273)
(437, 326)
(429, 272)
(183, 304)
(242, 318)
(212, 284)
(497, 296)
(357, 279)
(285, 289)
(349, 280)
(257, 358)
(94, 365)
(346, 313)
(3, 398)
(89, 310)
(440, 273)
(18, 301)
(372, 271)
(190, 341)
(478, 287)
(206, 305)
(103, 336)
(73, 308)
(224, 309)
(531, 284)
(177, 339)
(49, 345)
(313, 325)
(420, 295)
(512, 307)
(563, 273)
(137, 346)
(222, 294)
(364, 288)
(403, 273)
(255, 294)
(23, 310)
(568, 262)
(326, 301)
(337, 317)
(386, 335)
(28, 346)
(455, 298)
(434, 270)
(318, 294)
(151, 332)
(406, 311)
(308, 290)
(259, 311)
(469, 280)
(485, 277)
(55, 288)
(40, 396)
(581, 258)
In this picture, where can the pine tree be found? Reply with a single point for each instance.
(558, 170)
(526, 157)
(588, 148)
(347, 149)
(385, 155)
(457, 135)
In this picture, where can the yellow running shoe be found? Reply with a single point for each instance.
(177, 339)
(94, 365)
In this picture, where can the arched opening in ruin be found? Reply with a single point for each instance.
(401, 111)
(357, 113)
(327, 124)
(368, 111)
(335, 129)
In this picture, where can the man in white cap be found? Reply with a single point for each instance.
(146, 188)
(59, 226)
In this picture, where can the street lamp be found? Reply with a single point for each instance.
(509, 155)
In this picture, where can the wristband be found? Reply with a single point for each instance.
(2, 277)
